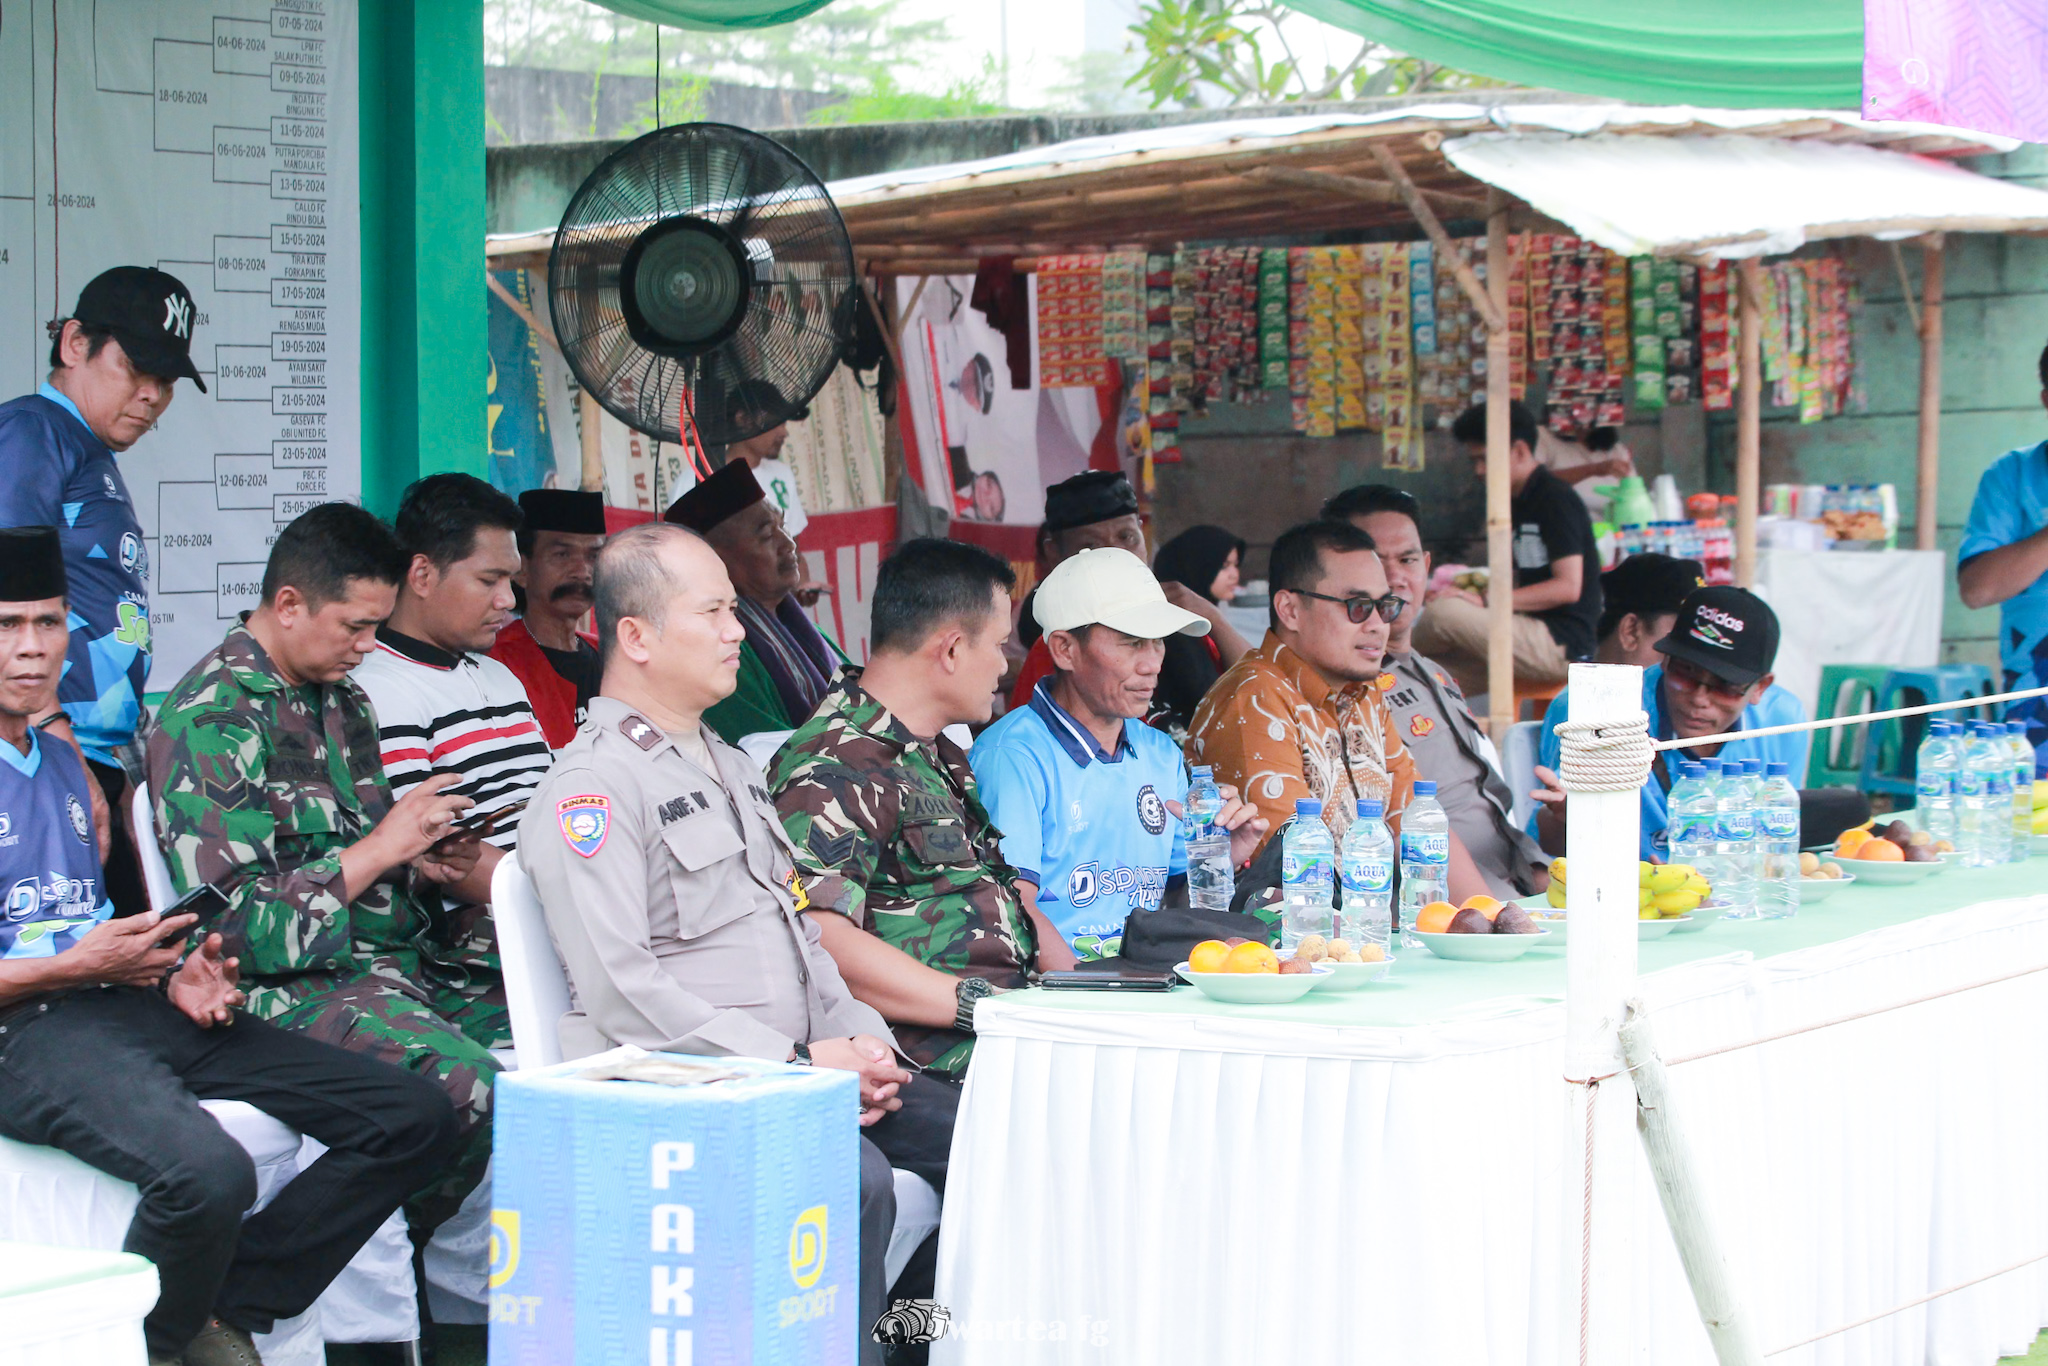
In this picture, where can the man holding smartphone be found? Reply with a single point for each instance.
(159, 1036)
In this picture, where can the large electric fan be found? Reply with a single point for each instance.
(700, 264)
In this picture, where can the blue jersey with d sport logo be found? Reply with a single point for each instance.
(57, 473)
(1091, 829)
(2011, 505)
(49, 860)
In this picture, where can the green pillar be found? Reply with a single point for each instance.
(424, 350)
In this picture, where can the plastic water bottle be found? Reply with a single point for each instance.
(1984, 787)
(1934, 780)
(1753, 786)
(1689, 832)
(1367, 869)
(2022, 789)
(1425, 853)
(1205, 800)
(1777, 819)
(1308, 858)
(1212, 879)
(1735, 841)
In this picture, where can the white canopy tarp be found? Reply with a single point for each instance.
(1739, 196)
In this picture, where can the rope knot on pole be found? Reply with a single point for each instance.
(1604, 756)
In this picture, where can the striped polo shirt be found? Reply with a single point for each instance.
(440, 712)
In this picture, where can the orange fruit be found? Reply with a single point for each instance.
(1849, 841)
(1208, 956)
(1880, 851)
(1483, 904)
(1435, 918)
(1251, 957)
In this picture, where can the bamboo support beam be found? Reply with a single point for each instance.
(1749, 399)
(1927, 482)
(511, 301)
(589, 415)
(1495, 318)
(1358, 187)
(1673, 1168)
(1500, 562)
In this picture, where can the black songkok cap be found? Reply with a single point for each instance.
(732, 489)
(578, 513)
(1095, 496)
(31, 564)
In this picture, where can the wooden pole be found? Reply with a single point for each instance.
(1500, 548)
(1927, 491)
(1495, 318)
(1692, 1224)
(1749, 399)
(1602, 832)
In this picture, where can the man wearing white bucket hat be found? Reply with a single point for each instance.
(1088, 798)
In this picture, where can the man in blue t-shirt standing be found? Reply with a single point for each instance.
(114, 365)
(1088, 797)
(108, 1044)
(2003, 560)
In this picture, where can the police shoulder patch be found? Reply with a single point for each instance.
(585, 820)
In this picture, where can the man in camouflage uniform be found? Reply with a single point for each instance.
(269, 786)
(900, 861)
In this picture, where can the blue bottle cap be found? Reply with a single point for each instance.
(1776, 770)
(2016, 727)
(1309, 806)
(1368, 809)
(1201, 771)
(1425, 788)
(1753, 768)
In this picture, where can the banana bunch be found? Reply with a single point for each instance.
(2041, 806)
(1662, 890)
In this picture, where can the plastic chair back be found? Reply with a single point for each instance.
(156, 870)
(536, 987)
(1518, 767)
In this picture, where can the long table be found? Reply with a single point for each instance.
(1379, 1176)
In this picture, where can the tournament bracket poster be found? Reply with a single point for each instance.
(216, 140)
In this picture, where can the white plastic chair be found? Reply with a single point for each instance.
(537, 994)
(1518, 764)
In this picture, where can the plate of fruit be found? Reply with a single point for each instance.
(1889, 855)
(1247, 973)
(1667, 894)
(1482, 930)
(1820, 878)
(1350, 968)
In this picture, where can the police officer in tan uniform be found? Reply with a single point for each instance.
(669, 886)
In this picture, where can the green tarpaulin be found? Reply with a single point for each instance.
(716, 14)
(1730, 54)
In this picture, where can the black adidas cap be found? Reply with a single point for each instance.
(150, 313)
(1730, 632)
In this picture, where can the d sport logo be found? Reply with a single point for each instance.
(807, 1247)
(504, 1251)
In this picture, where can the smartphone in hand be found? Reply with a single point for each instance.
(205, 901)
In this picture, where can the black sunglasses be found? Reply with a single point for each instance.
(1359, 608)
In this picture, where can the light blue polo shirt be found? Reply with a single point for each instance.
(1776, 708)
(1090, 828)
(2011, 505)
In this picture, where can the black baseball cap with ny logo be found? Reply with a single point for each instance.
(150, 313)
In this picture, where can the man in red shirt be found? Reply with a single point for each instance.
(557, 663)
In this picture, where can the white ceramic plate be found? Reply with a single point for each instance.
(1253, 988)
(1350, 976)
(1698, 918)
(1879, 874)
(1814, 889)
(1645, 929)
(1479, 948)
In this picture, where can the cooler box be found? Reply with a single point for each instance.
(712, 1224)
(63, 1306)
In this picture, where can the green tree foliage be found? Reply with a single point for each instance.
(1197, 54)
(976, 96)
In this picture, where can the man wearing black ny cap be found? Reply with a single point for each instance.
(786, 662)
(114, 365)
(108, 1044)
(1715, 675)
(561, 532)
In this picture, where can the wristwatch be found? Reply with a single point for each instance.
(800, 1054)
(970, 990)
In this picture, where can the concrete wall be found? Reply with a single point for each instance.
(525, 105)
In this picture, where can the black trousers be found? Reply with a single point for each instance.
(122, 872)
(114, 1076)
(917, 1138)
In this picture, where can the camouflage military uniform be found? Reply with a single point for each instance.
(259, 787)
(889, 833)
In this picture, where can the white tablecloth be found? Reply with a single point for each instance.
(1851, 607)
(1158, 1188)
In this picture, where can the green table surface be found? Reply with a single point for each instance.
(1424, 989)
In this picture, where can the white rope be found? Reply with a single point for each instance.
(1828, 723)
(1604, 756)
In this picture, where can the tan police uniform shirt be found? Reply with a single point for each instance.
(671, 897)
